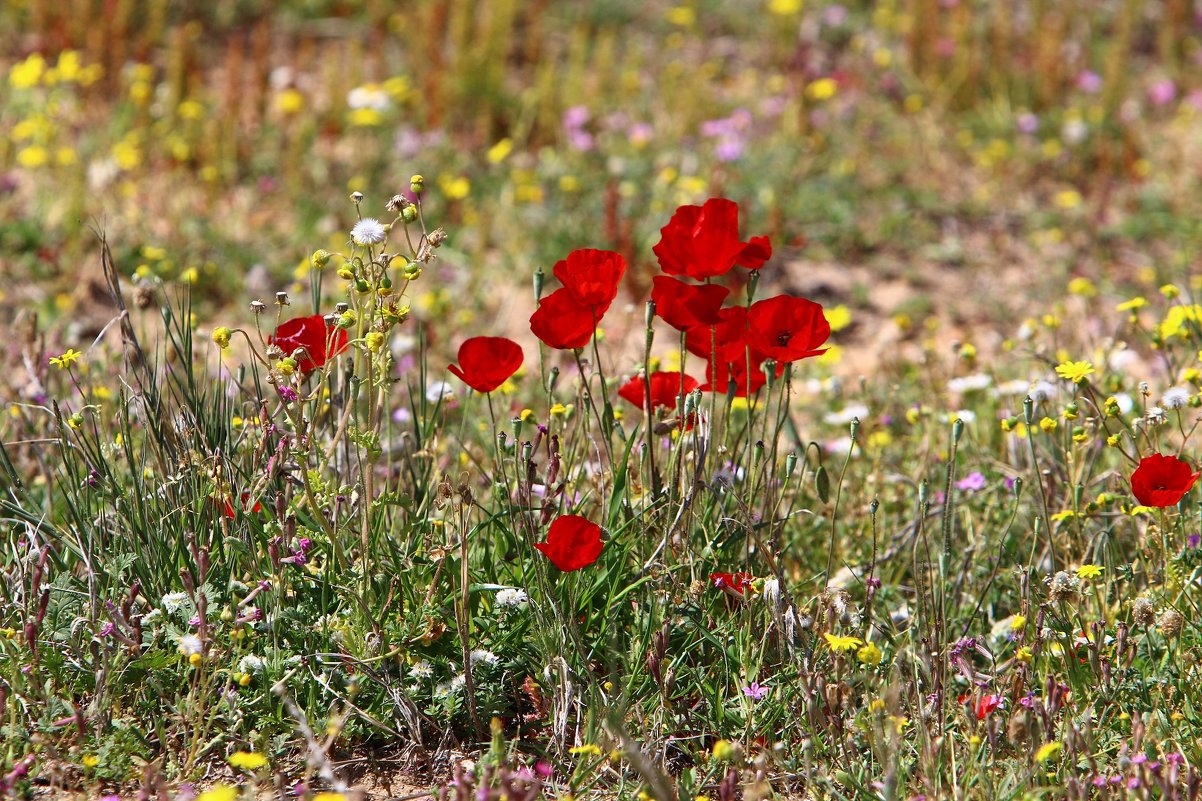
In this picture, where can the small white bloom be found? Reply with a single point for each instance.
(458, 682)
(439, 390)
(422, 669)
(969, 383)
(251, 664)
(481, 655)
(511, 596)
(368, 96)
(845, 415)
(1125, 401)
(190, 644)
(174, 602)
(368, 231)
(1175, 398)
(1016, 387)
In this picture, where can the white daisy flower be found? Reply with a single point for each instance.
(422, 669)
(173, 602)
(368, 231)
(511, 596)
(250, 664)
(481, 655)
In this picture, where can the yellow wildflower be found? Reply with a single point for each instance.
(1076, 372)
(246, 760)
(1048, 751)
(1089, 571)
(840, 642)
(67, 359)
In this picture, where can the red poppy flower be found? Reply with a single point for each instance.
(1161, 480)
(685, 306)
(591, 277)
(485, 363)
(320, 341)
(703, 242)
(786, 328)
(572, 542)
(736, 582)
(987, 704)
(665, 387)
(232, 514)
(562, 323)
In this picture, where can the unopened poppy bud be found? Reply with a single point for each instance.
(417, 184)
(539, 278)
(649, 313)
(409, 214)
(957, 430)
(320, 258)
(791, 463)
(221, 336)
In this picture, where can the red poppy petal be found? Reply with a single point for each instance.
(685, 306)
(486, 363)
(757, 251)
(561, 322)
(591, 276)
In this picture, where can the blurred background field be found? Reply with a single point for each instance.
(905, 156)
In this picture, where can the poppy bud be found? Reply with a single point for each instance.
(539, 278)
(957, 430)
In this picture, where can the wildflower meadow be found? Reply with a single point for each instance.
(531, 400)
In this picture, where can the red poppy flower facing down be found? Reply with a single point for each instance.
(787, 329)
(572, 542)
(591, 277)
(232, 514)
(703, 242)
(485, 363)
(736, 582)
(562, 323)
(685, 306)
(1161, 480)
(665, 387)
(312, 334)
